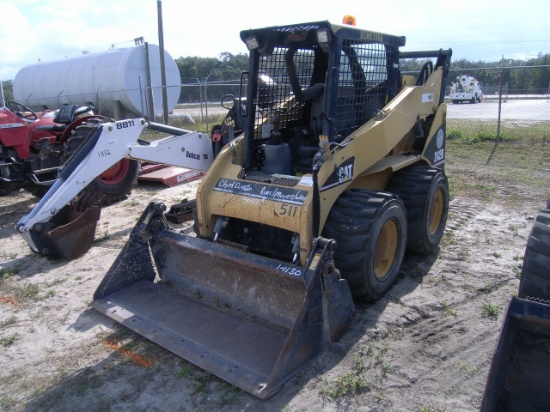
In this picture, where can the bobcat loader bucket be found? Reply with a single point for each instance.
(252, 321)
(518, 378)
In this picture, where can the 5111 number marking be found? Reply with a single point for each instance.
(288, 210)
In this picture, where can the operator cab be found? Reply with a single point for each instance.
(310, 80)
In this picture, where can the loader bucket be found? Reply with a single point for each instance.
(518, 378)
(251, 320)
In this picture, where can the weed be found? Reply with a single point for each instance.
(497, 254)
(50, 293)
(428, 408)
(10, 321)
(6, 341)
(447, 310)
(230, 395)
(102, 238)
(347, 384)
(382, 352)
(132, 203)
(55, 282)
(8, 256)
(8, 273)
(449, 238)
(185, 372)
(29, 291)
(488, 288)
(436, 280)
(7, 403)
(490, 310)
(517, 272)
(468, 369)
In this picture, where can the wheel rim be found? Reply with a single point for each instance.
(116, 173)
(435, 213)
(386, 249)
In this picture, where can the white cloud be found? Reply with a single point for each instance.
(17, 39)
(48, 30)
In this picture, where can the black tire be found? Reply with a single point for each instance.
(535, 275)
(370, 230)
(425, 194)
(117, 182)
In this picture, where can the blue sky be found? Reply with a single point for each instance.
(47, 30)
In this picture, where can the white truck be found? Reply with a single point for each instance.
(466, 88)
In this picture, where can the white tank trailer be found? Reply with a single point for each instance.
(116, 81)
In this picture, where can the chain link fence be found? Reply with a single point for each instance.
(510, 99)
(504, 109)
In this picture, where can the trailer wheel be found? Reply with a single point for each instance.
(425, 194)
(535, 274)
(370, 229)
(116, 182)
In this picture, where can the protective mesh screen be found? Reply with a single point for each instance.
(274, 87)
(362, 85)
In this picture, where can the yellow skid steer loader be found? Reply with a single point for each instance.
(328, 169)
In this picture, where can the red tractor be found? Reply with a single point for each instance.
(34, 146)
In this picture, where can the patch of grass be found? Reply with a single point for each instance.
(185, 372)
(6, 273)
(351, 383)
(488, 288)
(55, 282)
(31, 290)
(10, 321)
(7, 403)
(103, 238)
(8, 256)
(6, 341)
(448, 238)
(490, 310)
(517, 272)
(428, 408)
(467, 368)
(348, 384)
(447, 310)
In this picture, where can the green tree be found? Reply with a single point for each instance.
(7, 85)
(226, 66)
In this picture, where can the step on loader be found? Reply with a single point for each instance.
(327, 170)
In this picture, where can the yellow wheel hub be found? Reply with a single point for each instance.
(386, 249)
(435, 214)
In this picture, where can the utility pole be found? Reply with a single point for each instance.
(162, 66)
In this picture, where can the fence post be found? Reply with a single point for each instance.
(500, 98)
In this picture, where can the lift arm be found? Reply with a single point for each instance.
(107, 144)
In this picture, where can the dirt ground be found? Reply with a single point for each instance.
(426, 346)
